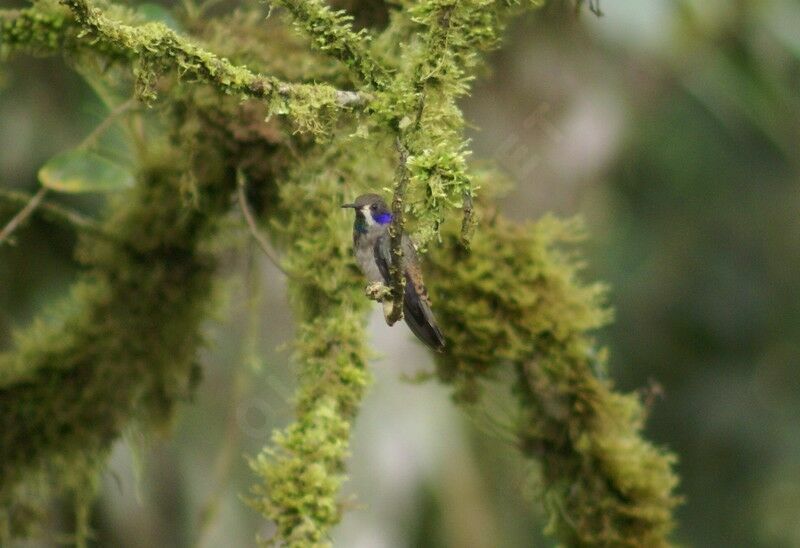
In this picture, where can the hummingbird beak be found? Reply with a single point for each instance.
(353, 206)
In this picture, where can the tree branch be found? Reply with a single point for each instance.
(607, 485)
(159, 48)
(155, 43)
(331, 32)
(303, 469)
(397, 280)
(603, 484)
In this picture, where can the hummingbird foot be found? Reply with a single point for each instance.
(378, 291)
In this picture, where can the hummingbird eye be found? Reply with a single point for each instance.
(373, 207)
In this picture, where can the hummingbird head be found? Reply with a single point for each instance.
(371, 211)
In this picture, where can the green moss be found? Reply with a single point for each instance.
(515, 289)
(121, 348)
(516, 299)
(155, 50)
(605, 485)
(331, 32)
(304, 470)
(35, 30)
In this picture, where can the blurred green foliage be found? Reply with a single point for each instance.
(693, 208)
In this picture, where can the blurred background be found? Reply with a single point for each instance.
(673, 128)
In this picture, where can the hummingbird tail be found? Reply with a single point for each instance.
(420, 320)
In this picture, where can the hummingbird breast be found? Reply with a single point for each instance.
(365, 256)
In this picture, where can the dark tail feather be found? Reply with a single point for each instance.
(420, 319)
(425, 331)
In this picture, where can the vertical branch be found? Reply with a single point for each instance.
(398, 281)
(303, 469)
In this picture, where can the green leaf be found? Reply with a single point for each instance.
(78, 171)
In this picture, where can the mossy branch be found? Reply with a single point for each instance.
(331, 32)
(453, 34)
(75, 382)
(513, 299)
(396, 229)
(158, 49)
(34, 29)
(516, 299)
(157, 45)
(304, 470)
(603, 485)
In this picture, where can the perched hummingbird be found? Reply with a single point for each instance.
(371, 245)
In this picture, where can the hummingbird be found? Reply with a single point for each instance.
(371, 246)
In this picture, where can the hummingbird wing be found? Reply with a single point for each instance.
(416, 304)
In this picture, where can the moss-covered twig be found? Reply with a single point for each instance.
(454, 33)
(331, 32)
(304, 469)
(159, 47)
(468, 220)
(36, 29)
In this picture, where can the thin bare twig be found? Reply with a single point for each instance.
(56, 213)
(262, 242)
(32, 203)
(102, 127)
(23, 215)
